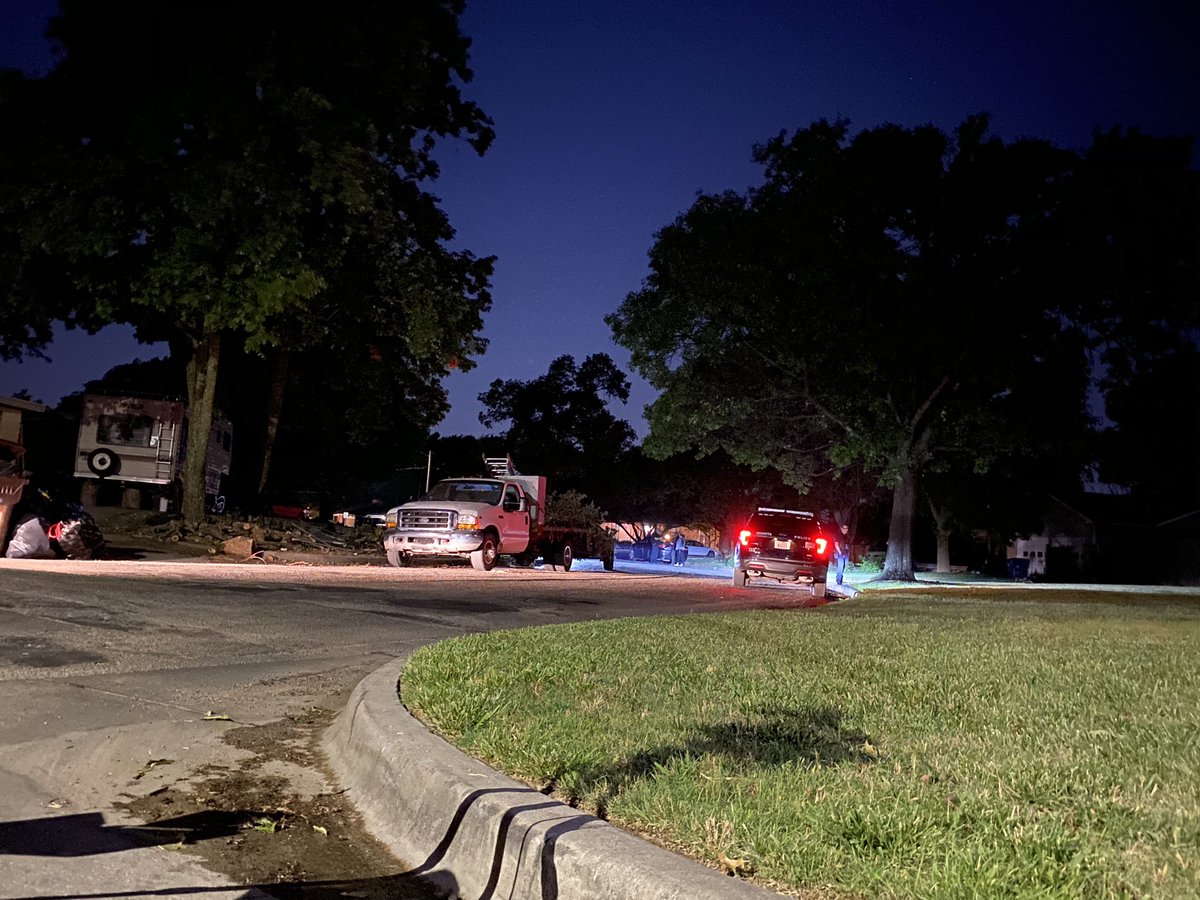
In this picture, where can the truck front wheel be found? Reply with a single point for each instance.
(484, 559)
(397, 559)
(561, 557)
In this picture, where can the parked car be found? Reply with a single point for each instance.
(304, 505)
(646, 549)
(664, 550)
(786, 545)
(362, 514)
(295, 509)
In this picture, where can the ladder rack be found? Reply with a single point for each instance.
(500, 466)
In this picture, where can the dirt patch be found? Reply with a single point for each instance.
(261, 828)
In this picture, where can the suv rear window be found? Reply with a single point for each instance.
(779, 523)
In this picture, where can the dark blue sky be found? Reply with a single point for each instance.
(611, 115)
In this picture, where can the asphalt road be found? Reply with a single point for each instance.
(109, 667)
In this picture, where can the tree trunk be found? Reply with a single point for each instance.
(898, 565)
(274, 412)
(941, 520)
(202, 395)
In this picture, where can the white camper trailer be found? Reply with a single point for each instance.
(143, 441)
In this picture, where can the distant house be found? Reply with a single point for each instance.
(14, 414)
(1178, 548)
(1113, 538)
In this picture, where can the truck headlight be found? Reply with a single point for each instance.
(393, 517)
(467, 522)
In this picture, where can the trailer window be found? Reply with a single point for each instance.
(124, 431)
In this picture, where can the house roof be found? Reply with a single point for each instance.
(1186, 525)
(1124, 509)
(23, 405)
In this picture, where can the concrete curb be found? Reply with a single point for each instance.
(476, 834)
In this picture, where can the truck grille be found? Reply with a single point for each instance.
(426, 519)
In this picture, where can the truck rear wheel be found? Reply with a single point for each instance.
(484, 559)
(561, 557)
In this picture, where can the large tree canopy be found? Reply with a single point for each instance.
(560, 423)
(1154, 446)
(902, 298)
(252, 176)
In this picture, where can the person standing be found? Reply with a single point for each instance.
(841, 551)
(680, 549)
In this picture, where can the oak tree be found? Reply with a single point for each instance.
(895, 299)
(250, 176)
(559, 423)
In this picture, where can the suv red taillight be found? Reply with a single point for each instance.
(744, 537)
(822, 546)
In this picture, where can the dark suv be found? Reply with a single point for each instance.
(784, 544)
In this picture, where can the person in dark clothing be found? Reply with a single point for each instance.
(680, 549)
(841, 550)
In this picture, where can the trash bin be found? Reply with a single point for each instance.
(1018, 568)
(10, 495)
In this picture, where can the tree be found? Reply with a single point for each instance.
(265, 196)
(896, 299)
(647, 496)
(1154, 444)
(459, 455)
(559, 423)
(724, 495)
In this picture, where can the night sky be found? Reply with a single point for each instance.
(611, 116)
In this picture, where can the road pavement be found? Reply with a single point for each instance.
(121, 678)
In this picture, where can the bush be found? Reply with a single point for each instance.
(575, 510)
(871, 563)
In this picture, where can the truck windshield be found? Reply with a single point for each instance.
(467, 491)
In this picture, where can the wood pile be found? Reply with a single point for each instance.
(241, 537)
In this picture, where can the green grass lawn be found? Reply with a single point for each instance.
(900, 745)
